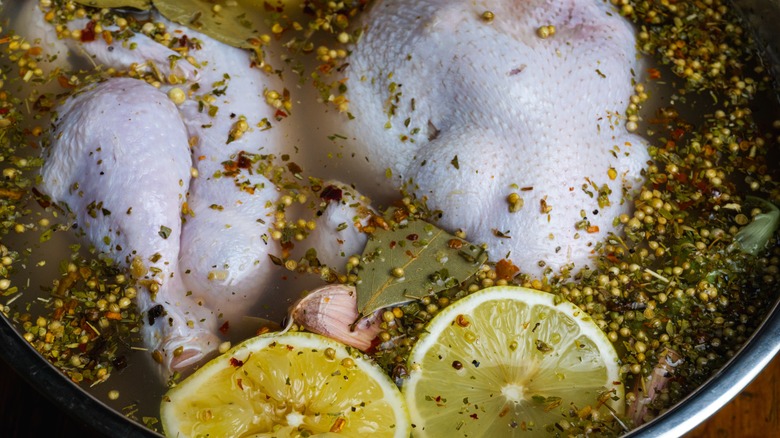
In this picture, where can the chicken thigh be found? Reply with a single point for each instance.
(505, 115)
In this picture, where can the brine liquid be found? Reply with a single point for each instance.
(140, 388)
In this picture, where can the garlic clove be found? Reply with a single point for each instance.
(331, 311)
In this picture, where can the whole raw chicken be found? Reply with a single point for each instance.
(505, 115)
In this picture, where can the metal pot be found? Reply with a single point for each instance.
(683, 417)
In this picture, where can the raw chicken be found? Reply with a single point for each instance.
(120, 161)
(215, 264)
(470, 104)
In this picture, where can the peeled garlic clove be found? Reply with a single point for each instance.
(331, 311)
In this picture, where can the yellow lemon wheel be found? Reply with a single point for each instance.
(509, 361)
(294, 384)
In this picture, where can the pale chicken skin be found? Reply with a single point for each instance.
(473, 108)
(120, 161)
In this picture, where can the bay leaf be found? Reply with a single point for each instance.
(138, 4)
(235, 24)
(411, 262)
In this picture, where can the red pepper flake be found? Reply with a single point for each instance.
(412, 237)
(286, 248)
(240, 384)
(474, 416)
(653, 73)
(88, 33)
(506, 270)
(224, 327)
(593, 229)
(612, 258)
(455, 243)
(243, 162)
(457, 365)
(678, 133)
(331, 193)
(280, 115)
(236, 363)
(393, 244)
(325, 68)
(58, 313)
(86, 327)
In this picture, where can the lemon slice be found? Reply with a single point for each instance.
(508, 361)
(295, 384)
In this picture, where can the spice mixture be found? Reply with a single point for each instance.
(678, 293)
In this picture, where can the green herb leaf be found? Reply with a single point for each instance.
(235, 24)
(164, 231)
(138, 4)
(752, 239)
(411, 262)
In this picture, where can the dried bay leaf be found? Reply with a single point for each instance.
(235, 24)
(411, 262)
(138, 4)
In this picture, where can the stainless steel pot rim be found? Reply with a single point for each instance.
(45, 378)
(719, 389)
